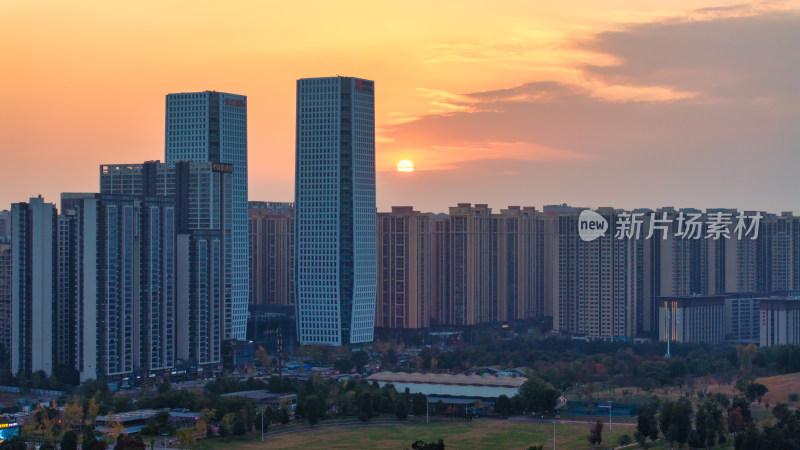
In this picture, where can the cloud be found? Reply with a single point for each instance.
(697, 111)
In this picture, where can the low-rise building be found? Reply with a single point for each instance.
(452, 386)
(691, 319)
(780, 320)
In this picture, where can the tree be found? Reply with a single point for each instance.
(201, 426)
(755, 391)
(624, 440)
(93, 410)
(419, 404)
(69, 441)
(284, 416)
(596, 433)
(736, 422)
(709, 424)
(73, 412)
(360, 359)
(128, 442)
(15, 443)
(365, 406)
(422, 445)
(538, 395)
(116, 428)
(186, 438)
(401, 410)
(226, 425)
(676, 420)
(502, 405)
(164, 387)
(641, 439)
(312, 409)
(745, 356)
(239, 427)
(440, 408)
(646, 422)
(263, 357)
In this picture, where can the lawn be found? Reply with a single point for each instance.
(478, 434)
(780, 387)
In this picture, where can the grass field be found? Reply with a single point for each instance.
(477, 434)
(780, 387)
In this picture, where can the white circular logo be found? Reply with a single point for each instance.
(591, 225)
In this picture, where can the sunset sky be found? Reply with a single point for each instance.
(625, 103)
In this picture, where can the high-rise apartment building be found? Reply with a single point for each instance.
(5, 225)
(777, 256)
(126, 293)
(473, 257)
(335, 210)
(595, 282)
(5, 296)
(465, 268)
(441, 306)
(520, 262)
(271, 253)
(404, 275)
(33, 286)
(200, 192)
(212, 127)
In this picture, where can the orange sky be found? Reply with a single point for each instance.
(499, 102)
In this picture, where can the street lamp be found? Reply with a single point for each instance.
(164, 435)
(610, 426)
(427, 409)
(554, 435)
(263, 413)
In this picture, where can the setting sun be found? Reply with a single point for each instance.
(405, 166)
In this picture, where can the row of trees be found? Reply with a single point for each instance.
(705, 424)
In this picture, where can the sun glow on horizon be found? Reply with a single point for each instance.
(405, 166)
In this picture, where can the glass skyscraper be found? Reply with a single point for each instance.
(335, 210)
(212, 126)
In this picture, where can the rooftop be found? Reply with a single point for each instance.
(447, 379)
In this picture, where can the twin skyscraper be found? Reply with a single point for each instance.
(336, 267)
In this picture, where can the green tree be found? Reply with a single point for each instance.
(596, 433)
(440, 408)
(422, 445)
(128, 442)
(538, 395)
(239, 426)
(312, 409)
(418, 404)
(755, 391)
(284, 416)
(360, 359)
(185, 438)
(69, 441)
(502, 405)
(226, 424)
(647, 423)
(401, 410)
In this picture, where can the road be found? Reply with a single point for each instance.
(572, 422)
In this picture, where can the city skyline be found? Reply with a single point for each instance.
(521, 104)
